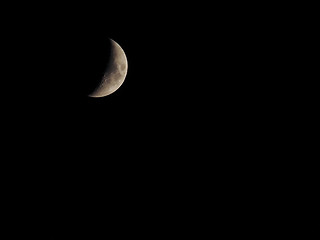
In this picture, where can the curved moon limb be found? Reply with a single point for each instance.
(114, 74)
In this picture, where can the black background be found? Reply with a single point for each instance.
(129, 163)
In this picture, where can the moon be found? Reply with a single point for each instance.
(114, 74)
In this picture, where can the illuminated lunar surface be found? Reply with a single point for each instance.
(114, 74)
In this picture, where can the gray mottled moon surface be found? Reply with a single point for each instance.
(115, 72)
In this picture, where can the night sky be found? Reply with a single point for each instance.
(119, 165)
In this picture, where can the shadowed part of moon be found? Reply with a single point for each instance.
(115, 73)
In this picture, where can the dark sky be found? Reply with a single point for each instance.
(97, 167)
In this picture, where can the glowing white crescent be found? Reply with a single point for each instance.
(115, 72)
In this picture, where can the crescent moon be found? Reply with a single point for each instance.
(114, 74)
